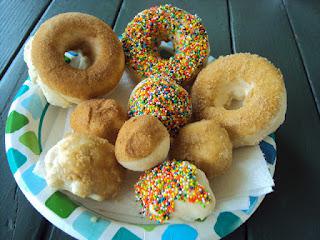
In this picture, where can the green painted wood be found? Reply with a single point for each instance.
(18, 220)
(214, 15)
(304, 18)
(16, 20)
(292, 211)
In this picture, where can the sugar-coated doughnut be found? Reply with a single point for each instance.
(205, 144)
(245, 93)
(164, 99)
(84, 165)
(174, 189)
(143, 35)
(99, 117)
(143, 142)
(96, 40)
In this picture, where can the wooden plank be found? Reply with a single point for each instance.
(290, 212)
(16, 20)
(304, 17)
(18, 219)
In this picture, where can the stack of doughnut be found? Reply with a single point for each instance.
(178, 136)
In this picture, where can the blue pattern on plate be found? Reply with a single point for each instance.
(125, 234)
(253, 202)
(16, 159)
(88, 226)
(226, 223)
(34, 183)
(21, 91)
(179, 232)
(34, 105)
(269, 152)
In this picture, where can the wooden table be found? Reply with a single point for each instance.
(285, 31)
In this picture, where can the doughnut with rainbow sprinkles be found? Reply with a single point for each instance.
(143, 36)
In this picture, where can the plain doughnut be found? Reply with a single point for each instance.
(100, 117)
(142, 143)
(243, 92)
(97, 41)
(205, 144)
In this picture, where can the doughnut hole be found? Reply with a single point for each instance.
(80, 55)
(232, 94)
(166, 49)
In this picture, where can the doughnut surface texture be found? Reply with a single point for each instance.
(205, 144)
(99, 117)
(174, 188)
(84, 165)
(97, 41)
(164, 99)
(145, 32)
(243, 92)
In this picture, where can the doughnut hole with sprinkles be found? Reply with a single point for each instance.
(158, 189)
(164, 99)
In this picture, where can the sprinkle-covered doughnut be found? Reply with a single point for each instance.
(164, 99)
(145, 32)
(159, 189)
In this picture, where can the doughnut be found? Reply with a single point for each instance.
(174, 190)
(63, 84)
(164, 99)
(243, 92)
(84, 165)
(99, 117)
(205, 144)
(143, 142)
(143, 36)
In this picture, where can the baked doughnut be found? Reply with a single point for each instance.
(143, 142)
(84, 165)
(175, 189)
(164, 99)
(143, 36)
(243, 92)
(99, 117)
(63, 84)
(205, 144)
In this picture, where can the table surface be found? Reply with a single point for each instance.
(287, 32)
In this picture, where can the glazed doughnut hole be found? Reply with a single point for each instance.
(232, 94)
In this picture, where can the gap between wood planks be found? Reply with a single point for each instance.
(313, 90)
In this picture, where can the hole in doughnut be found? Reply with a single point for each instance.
(166, 49)
(232, 95)
(79, 56)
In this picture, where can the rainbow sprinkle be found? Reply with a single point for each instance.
(166, 100)
(157, 189)
(145, 32)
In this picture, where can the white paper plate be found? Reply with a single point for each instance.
(29, 122)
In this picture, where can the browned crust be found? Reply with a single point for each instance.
(206, 144)
(99, 117)
(92, 163)
(260, 107)
(138, 137)
(72, 31)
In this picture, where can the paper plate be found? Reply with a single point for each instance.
(24, 134)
